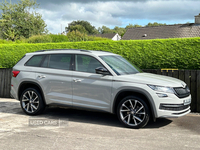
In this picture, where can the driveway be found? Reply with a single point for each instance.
(78, 129)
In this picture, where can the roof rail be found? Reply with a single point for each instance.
(102, 51)
(85, 50)
(40, 51)
(63, 50)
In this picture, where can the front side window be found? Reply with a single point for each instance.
(59, 61)
(35, 61)
(86, 63)
(120, 65)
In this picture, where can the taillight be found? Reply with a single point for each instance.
(15, 73)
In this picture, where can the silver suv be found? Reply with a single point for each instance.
(97, 80)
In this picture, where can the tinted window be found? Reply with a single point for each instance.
(86, 63)
(35, 61)
(45, 62)
(60, 61)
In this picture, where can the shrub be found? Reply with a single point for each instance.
(94, 38)
(39, 39)
(146, 54)
(58, 38)
(5, 42)
(75, 36)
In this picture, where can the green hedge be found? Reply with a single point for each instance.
(146, 54)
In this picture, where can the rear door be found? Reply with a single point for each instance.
(55, 77)
(90, 90)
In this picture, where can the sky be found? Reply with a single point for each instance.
(59, 13)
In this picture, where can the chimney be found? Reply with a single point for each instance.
(197, 19)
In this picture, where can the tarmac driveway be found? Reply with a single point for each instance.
(61, 128)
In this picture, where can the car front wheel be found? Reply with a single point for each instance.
(133, 112)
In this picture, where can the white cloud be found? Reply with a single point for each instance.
(53, 20)
(78, 12)
(117, 13)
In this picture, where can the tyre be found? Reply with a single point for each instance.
(133, 112)
(31, 102)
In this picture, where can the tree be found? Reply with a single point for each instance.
(132, 26)
(16, 20)
(155, 24)
(105, 29)
(81, 26)
(119, 30)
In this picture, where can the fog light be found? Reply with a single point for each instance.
(161, 95)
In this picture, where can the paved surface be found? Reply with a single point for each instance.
(92, 130)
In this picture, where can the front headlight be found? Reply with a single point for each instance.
(161, 89)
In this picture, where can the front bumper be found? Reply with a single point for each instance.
(172, 106)
(174, 114)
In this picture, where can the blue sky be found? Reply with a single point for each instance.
(116, 13)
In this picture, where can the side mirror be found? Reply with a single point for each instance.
(102, 70)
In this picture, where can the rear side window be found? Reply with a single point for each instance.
(60, 61)
(35, 61)
(45, 62)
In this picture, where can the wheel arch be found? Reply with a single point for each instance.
(139, 93)
(28, 84)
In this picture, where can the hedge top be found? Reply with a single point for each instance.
(181, 53)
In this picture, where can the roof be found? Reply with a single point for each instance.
(163, 32)
(74, 51)
(106, 35)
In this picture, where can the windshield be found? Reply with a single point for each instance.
(120, 65)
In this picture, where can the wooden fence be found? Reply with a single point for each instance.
(5, 82)
(191, 78)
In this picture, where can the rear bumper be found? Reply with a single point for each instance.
(13, 93)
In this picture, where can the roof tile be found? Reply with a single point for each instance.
(163, 32)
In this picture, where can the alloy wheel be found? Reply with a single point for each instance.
(132, 112)
(30, 101)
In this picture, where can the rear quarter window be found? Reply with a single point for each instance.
(35, 61)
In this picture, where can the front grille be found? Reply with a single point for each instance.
(173, 107)
(182, 92)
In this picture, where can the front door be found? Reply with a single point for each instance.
(90, 90)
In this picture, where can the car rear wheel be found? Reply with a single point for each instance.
(133, 112)
(31, 102)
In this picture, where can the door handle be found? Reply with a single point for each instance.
(76, 80)
(41, 76)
